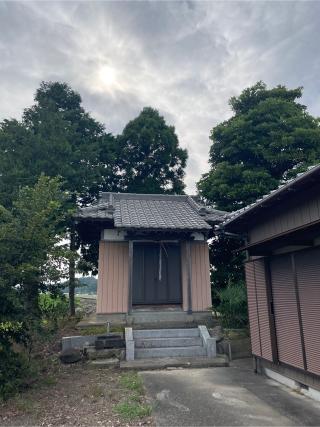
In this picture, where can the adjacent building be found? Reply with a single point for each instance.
(282, 232)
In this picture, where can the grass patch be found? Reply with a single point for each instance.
(132, 381)
(26, 405)
(133, 407)
(129, 410)
(48, 380)
(99, 330)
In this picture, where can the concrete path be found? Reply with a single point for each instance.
(232, 396)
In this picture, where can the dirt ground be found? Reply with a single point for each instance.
(78, 395)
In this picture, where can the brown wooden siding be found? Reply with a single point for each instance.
(252, 309)
(112, 292)
(286, 312)
(308, 278)
(258, 309)
(263, 310)
(303, 213)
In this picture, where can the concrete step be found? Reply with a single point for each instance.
(171, 317)
(102, 363)
(167, 342)
(160, 316)
(166, 333)
(175, 362)
(194, 351)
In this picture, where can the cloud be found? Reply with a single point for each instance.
(184, 58)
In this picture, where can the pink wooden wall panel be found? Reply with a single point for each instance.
(113, 277)
(112, 293)
(200, 276)
(184, 276)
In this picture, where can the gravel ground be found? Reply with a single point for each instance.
(76, 395)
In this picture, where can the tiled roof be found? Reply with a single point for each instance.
(272, 195)
(152, 211)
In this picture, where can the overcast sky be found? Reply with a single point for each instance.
(184, 58)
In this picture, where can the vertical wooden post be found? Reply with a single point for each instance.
(274, 345)
(189, 269)
(130, 276)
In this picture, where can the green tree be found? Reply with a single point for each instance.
(31, 253)
(31, 259)
(58, 137)
(151, 159)
(270, 137)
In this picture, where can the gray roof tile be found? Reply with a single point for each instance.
(152, 211)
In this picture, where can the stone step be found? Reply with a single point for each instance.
(166, 333)
(103, 363)
(175, 362)
(194, 351)
(160, 316)
(167, 342)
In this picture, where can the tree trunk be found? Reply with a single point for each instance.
(72, 271)
(31, 295)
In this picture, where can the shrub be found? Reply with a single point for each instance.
(53, 308)
(15, 372)
(233, 306)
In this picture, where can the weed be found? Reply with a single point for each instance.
(132, 410)
(48, 380)
(93, 330)
(25, 405)
(132, 381)
(99, 330)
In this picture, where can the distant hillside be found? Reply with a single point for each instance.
(86, 285)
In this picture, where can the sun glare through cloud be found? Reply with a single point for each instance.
(184, 58)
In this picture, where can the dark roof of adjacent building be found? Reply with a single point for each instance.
(152, 211)
(234, 220)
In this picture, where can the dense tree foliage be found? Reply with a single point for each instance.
(151, 159)
(58, 138)
(32, 257)
(269, 138)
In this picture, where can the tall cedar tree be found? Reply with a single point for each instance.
(270, 138)
(58, 137)
(151, 159)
